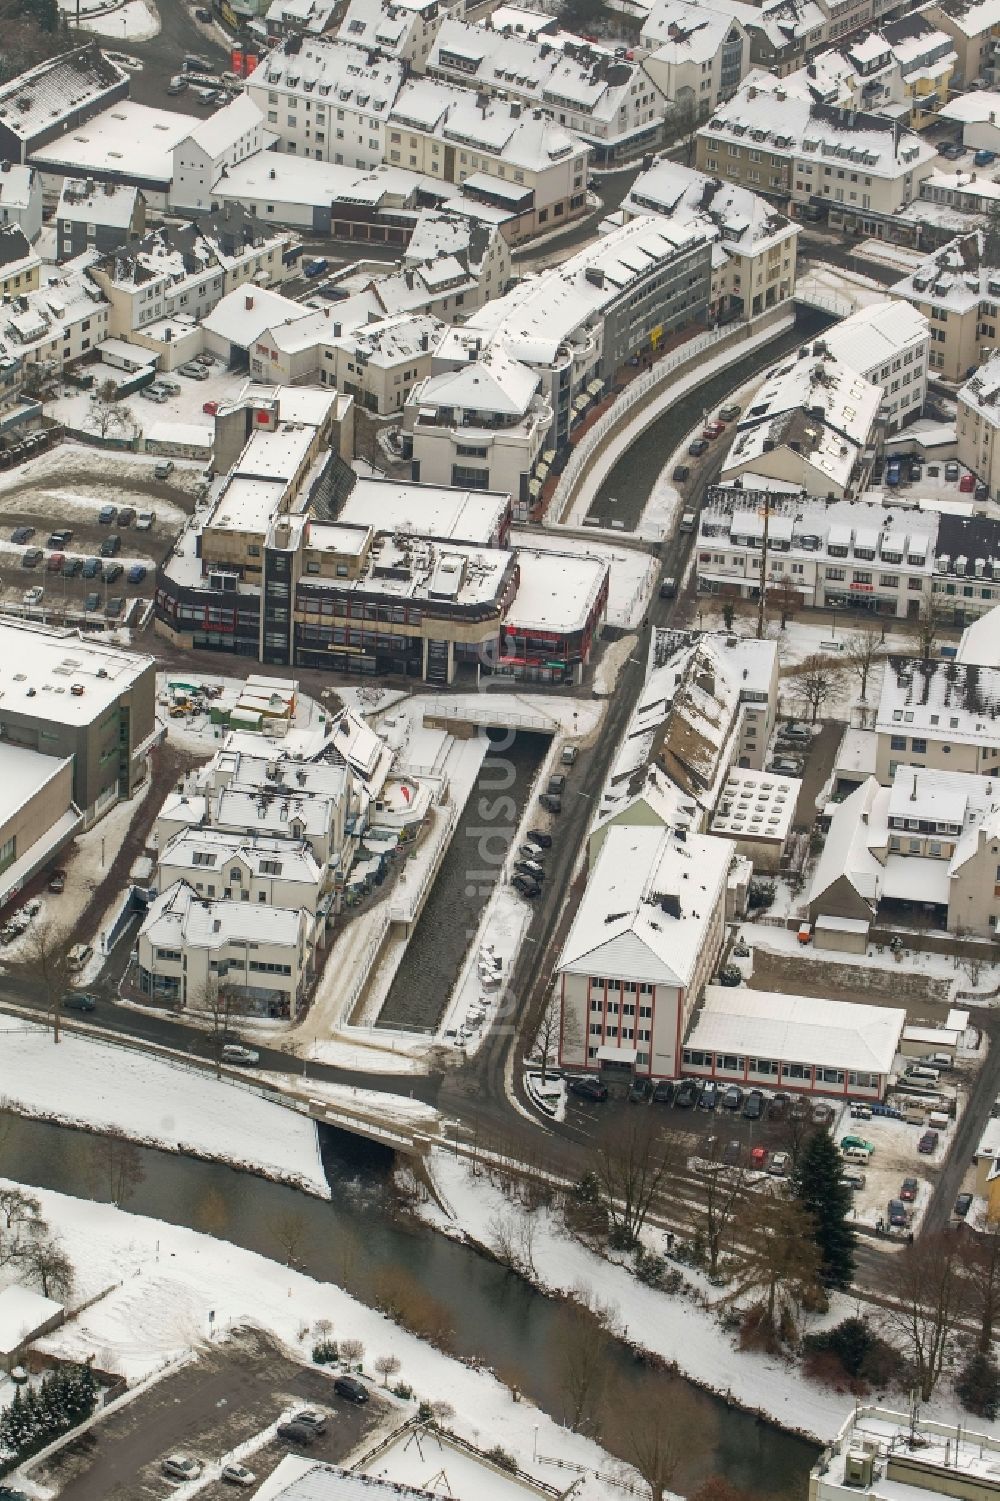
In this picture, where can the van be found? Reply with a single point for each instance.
(923, 1074)
(78, 955)
(551, 802)
(569, 755)
(556, 784)
(942, 1061)
(913, 1117)
(668, 588)
(688, 521)
(938, 1121)
(855, 1154)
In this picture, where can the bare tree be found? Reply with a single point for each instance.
(45, 964)
(45, 1262)
(926, 1290)
(632, 1165)
(779, 1261)
(926, 627)
(105, 415)
(352, 1351)
(220, 1002)
(722, 1190)
(547, 1037)
(290, 1229)
(981, 1277)
(22, 1217)
(115, 1167)
(387, 1365)
(583, 1364)
(512, 1238)
(817, 679)
(653, 1439)
(861, 653)
(785, 599)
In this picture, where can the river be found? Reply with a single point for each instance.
(360, 1236)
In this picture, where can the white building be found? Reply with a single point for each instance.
(647, 934)
(128, 143)
(880, 1453)
(938, 714)
(698, 55)
(958, 289)
(979, 424)
(327, 99)
(243, 867)
(229, 136)
(55, 325)
(190, 946)
(21, 198)
(404, 29)
(887, 342)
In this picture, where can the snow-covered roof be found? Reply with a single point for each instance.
(88, 202)
(247, 312)
(957, 277)
(650, 901)
(277, 775)
(756, 805)
(980, 641)
(556, 591)
(199, 850)
(199, 435)
(58, 89)
(954, 702)
(877, 334)
(974, 18)
(40, 666)
(798, 1029)
(182, 918)
(332, 72)
(23, 1313)
(17, 183)
(128, 140)
(446, 512)
(494, 383)
(23, 774)
(225, 127)
(527, 139)
(846, 852)
(680, 31)
(982, 391)
(734, 216)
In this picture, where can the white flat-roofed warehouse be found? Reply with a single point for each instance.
(37, 814)
(793, 1042)
(130, 142)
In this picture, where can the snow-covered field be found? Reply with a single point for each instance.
(163, 1281)
(159, 1102)
(908, 962)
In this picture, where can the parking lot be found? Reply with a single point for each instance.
(205, 1410)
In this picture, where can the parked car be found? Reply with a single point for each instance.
(237, 1474)
(984, 158)
(551, 802)
(126, 516)
(72, 567)
(526, 886)
(55, 562)
(315, 267)
(181, 1467)
(857, 1141)
(962, 1206)
(951, 471)
(31, 558)
(77, 1001)
(668, 588)
(588, 1088)
(908, 1192)
(136, 573)
(93, 568)
(730, 411)
(680, 474)
(297, 1433)
(732, 1152)
(177, 84)
(852, 1178)
(640, 1092)
(663, 1094)
(22, 534)
(777, 1106)
(822, 1113)
(112, 572)
(164, 469)
(928, 1143)
(897, 1215)
(310, 1415)
(786, 766)
(531, 869)
(114, 607)
(58, 540)
(92, 602)
(33, 596)
(687, 1093)
(697, 448)
(151, 394)
(351, 1388)
(798, 1110)
(57, 882)
(107, 514)
(951, 151)
(709, 1096)
(753, 1105)
(779, 1164)
(210, 408)
(758, 1158)
(235, 1052)
(713, 430)
(144, 520)
(110, 545)
(732, 1097)
(796, 732)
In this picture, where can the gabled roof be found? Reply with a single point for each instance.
(847, 851)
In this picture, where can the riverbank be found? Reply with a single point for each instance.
(94, 1085)
(161, 1291)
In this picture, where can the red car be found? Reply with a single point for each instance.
(713, 429)
(758, 1156)
(210, 408)
(56, 561)
(967, 484)
(928, 1143)
(908, 1192)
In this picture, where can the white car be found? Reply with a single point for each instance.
(235, 1052)
(234, 1474)
(144, 520)
(33, 596)
(181, 1467)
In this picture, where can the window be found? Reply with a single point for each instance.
(920, 747)
(8, 852)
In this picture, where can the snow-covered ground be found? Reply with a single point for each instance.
(135, 21)
(473, 1007)
(891, 255)
(76, 408)
(632, 572)
(163, 1281)
(306, 735)
(157, 1101)
(844, 286)
(907, 962)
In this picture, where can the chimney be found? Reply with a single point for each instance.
(4, 166)
(248, 303)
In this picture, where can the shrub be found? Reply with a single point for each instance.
(325, 1352)
(861, 1357)
(403, 1391)
(760, 894)
(502, 1459)
(730, 975)
(978, 1386)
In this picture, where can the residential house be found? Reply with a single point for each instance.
(974, 27)
(938, 715)
(699, 55)
(20, 264)
(888, 342)
(979, 424)
(228, 136)
(958, 290)
(21, 198)
(403, 29)
(97, 216)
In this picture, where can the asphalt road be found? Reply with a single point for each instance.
(162, 55)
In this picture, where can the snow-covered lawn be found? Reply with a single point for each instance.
(157, 1101)
(164, 1280)
(76, 409)
(133, 22)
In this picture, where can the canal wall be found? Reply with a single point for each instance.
(647, 398)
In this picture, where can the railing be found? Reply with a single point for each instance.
(842, 307)
(364, 968)
(439, 709)
(400, 912)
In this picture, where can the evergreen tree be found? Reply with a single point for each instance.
(978, 1386)
(816, 1184)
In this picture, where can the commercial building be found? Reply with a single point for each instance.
(774, 137)
(802, 1044)
(979, 423)
(647, 935)
(55, 97)
(99, 217)
(38, 816)
(754, 247)
(66, 696)
(879, 1453)
(21, 198)
(698, 55)
(129, 143)
(957, 289)
(229, 136)
(888, 342)
(811, 426)
(554, 619)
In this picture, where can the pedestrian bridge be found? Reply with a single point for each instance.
(478, 712)
(810, 293)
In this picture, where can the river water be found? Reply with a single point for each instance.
(359, 1236)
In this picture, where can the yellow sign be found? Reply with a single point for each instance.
(655, 336)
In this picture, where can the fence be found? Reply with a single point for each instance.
(440, 709)
(827, 302)
(406, 913)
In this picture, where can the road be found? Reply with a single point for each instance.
(162, 55)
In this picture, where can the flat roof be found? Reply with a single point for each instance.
(23, 773)
(444, 512)
(130, 139)
(557, 591)
(39, 666)
(756, 805)
(798, 1029)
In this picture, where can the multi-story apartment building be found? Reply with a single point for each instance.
(646, 937)
(698, 55)
(380, 363)
(21, 198)
(238, 867)
(979, 424)
(887, 342)
(754, 247)
(97, 216)
(404, 29)
(613, 104)
(939, 715)
(811, 425)
(327, 99)
(958, 290)
(974, 28)
(775, 138)
(20, 265)
(53, 326)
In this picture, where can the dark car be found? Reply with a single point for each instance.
(709, 1097)
(531, 869)
(112, 572)
(663, 1094)
(58, 540)
(798, 1110)
(898, 1216)
(77, 1001)
(22, 534)
(908, 1192)
(777, 1107)
(680, 474)
(539, 837)
(687, 1093)
(732, 1098)
(551, 802)
(951, 151)
(31, 558)
(297, 1433)
(351, 1388)
(92, 603)
(114, 607)
(962, 1206)
(311, 1417)
(136, 573)
(928, 1143)
(107, 514)
(640, 1092)
(588, 1088)
(93, 568)
(753, 1105)
(111, 545)
(732, 1152)
(57, 882)
(126, 516)
(698, 447)
(71, 567)
(526, 886)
